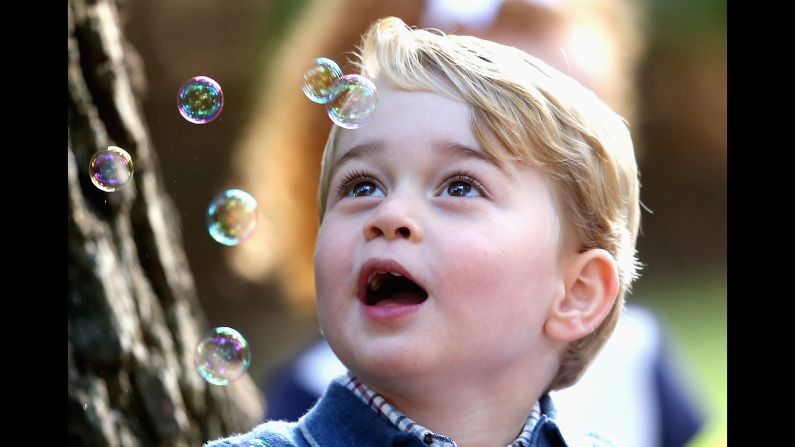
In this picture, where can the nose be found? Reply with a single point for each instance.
(393, 219)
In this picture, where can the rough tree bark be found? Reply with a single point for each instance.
(133, 315)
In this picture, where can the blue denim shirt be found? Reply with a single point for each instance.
(340, 419)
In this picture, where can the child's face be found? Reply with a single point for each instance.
(416, 195)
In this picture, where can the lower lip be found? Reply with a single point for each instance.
(389, 311)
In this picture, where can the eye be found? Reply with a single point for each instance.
(463, 185)
(363, 189)
(458, 188)
(358, 184)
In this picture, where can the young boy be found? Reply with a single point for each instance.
(477, 239)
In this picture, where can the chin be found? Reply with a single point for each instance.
(383, 360)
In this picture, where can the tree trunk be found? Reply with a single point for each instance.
(133, 316)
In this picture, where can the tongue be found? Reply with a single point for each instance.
(401, 298)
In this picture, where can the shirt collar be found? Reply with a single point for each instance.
(339, 419)
(403, 423)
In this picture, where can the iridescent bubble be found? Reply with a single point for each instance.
(353, 102)
(319, 79)
(200, 100)
(222, 356)
(232, 216)
(111, 169)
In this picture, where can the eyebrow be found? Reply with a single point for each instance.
(454, 149)
(357, 151)
(462, 151)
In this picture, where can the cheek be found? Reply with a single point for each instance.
(516, 267)
(333, 254)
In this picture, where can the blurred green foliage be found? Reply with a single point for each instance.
(276, 19)
(678, 22)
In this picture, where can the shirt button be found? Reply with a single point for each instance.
(427, 438)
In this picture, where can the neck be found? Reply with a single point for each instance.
(484, 413)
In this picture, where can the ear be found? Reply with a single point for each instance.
(591, 289)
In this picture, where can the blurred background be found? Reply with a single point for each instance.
(679, 119)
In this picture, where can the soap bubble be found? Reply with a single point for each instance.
(319, 79)
(353, 102)
(232, 216)
(200, 100)
(222, 356)
(111, 169)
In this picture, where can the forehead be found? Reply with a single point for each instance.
(411, 117)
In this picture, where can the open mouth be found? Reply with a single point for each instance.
(385, 288)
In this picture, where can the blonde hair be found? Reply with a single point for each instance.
(525, 111)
